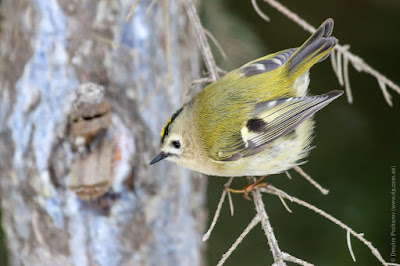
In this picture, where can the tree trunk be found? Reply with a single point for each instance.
(76, 187)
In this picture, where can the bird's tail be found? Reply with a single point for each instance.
(316, 49)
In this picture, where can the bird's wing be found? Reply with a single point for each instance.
(271, 120)
(296, 60)
(267, 63)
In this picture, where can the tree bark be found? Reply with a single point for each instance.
(140, 215)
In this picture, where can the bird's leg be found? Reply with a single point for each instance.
(249, 188)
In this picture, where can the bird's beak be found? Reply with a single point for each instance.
(159, 157)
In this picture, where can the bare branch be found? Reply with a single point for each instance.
(386, 94)
(342, 50)
(201, 81)
(150, 7)
(276, 191)
(288, 174)
(309, 179)
(168, 41)
(360, 237)
(220, 70)
(290, 258)
(339, 68)
(214, 40)
(284, 204)
(266, 226)
(334, 65)
(150, 97)
(202, 40)
(230, 203)
(36, 230)
(131, 10)
(291, 15)
(258, 10)
(277, 254)
(346, 79)
(360, 65)
(217, 212)
(246, 231)
(349, 246)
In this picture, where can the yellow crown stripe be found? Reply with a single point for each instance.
(164, 131)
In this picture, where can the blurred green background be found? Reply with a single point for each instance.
(356, 144)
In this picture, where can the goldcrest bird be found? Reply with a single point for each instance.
(254, 121)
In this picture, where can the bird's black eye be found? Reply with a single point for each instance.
(176, 144)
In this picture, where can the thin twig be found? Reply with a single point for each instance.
(128, 17)
(214, 40)
(266, 226)
(291, 15)
(360, 237)
(220, 70)
(168, 41)
(284, 204)
(339, 68)
(288, 174)
(280, 193)
(150, 97)
(385, 93)
(259, 12)
(276, 191)
(360, 65)
(346, 79)
(334, 65)
(298, 169)
(227, 185)
(202, 40)
(36, 231)
(356, 61)
(277, 254)
(290, 258)
(349, 246)
(201, 80)
(279, 257)
(217, 212)
(230, 203)
(251, 225)
(150, 7)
